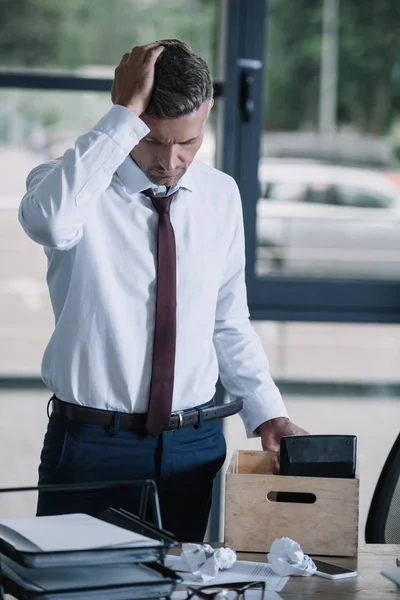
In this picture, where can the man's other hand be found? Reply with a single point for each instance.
(134, 78)
(271, 433)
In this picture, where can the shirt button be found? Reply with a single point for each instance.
(132, 134)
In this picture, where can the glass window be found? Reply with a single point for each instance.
(36, 126)
(283, 191)
(329, 150)
(85, 38)
(79, 34)
(361, 198)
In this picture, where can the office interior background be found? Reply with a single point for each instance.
(307, 120)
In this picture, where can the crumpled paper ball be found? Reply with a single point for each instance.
(287, 558)
(204, 562)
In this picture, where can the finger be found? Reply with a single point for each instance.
(157, 52)
(271, 446)
(276, 465)
(153, 54)
(152, 45)
(124, 57)
(123, 61)
(137, 50)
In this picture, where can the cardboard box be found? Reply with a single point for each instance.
(257, 510)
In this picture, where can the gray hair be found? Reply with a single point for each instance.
(182, 82)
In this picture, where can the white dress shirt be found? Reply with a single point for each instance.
(100, 234)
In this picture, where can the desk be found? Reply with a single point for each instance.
(369, 583)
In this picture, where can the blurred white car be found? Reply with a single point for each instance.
(319, 220)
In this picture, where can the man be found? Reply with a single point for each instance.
(146, 276)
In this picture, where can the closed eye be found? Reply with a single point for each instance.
(159, 143)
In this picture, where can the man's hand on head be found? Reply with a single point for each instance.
(271, 433)
(134, 78)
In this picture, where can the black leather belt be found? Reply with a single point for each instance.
(136, 421)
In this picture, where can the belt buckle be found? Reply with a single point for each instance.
(179, 414)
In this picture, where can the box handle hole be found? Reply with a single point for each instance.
(298, 497)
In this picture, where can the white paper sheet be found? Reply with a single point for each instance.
(242, 570)
(74, 532)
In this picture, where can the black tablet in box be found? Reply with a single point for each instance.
(318, 455)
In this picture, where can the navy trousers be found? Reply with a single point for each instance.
(182, 462)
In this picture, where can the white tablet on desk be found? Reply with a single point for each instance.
(392, 574)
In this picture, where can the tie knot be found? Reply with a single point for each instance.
(162, 204)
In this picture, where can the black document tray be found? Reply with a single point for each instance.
(122, 582)
(126, 520)
(26, 554)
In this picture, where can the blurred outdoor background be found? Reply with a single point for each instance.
(329, 197)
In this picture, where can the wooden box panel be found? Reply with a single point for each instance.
(253, 519)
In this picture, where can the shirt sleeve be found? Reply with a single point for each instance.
(60, 193)
(243, 365)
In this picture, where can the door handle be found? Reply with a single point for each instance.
(247, 66)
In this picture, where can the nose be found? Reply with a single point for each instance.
(169, 158)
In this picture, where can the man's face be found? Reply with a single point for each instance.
(171, 145)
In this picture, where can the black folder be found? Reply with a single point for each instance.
(113, 582)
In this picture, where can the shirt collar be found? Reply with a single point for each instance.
(135, 180)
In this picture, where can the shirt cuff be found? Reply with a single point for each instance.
(261, 407)
(122, 126)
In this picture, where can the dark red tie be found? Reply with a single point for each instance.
(162, 377)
